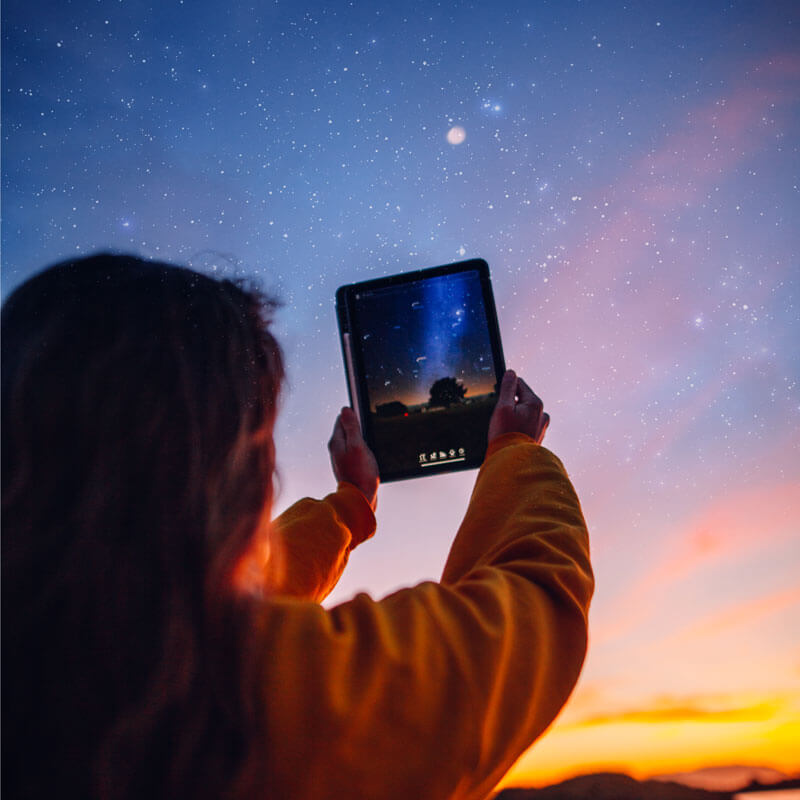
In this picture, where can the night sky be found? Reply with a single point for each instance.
(411, 336)
(630, 172)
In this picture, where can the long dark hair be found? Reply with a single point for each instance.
(138, 401)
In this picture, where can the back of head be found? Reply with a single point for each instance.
(138, 401)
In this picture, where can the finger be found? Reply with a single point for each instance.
(508, 388)
(337, 440)
(350, 426)
(527, 395)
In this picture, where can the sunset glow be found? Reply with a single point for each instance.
(666, 738)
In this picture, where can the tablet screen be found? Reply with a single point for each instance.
(428, 370)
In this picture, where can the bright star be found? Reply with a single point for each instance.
(456, 135)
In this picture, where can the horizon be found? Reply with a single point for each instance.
(717, 777)
(736, 782)
(735, 779)
(408, 401)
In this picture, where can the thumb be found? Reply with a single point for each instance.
(508, 389)
(352, 430)
(336, 443)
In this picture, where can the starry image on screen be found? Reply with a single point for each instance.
(429, 372)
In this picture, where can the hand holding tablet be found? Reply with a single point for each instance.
(518, 410)
(351, 459)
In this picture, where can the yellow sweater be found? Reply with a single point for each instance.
(434, 691)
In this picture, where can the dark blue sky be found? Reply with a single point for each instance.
(310, 136)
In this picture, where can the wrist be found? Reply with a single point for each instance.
(505, 439)
(355, 510)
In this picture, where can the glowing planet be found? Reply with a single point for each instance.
(456, 135)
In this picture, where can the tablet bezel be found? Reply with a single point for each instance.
(353, 355)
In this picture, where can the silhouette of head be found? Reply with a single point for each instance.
(138, 401)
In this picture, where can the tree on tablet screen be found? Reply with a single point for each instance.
(446, 392)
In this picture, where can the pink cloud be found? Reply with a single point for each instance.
(750, 519)
(740, 614)
(727, 529)
(626, 221)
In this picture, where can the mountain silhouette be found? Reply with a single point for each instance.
(726, 778)
(612, 786)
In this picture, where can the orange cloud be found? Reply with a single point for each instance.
(669, 734)
(683, 711)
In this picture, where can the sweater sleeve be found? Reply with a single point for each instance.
(434, 691)
(312, 540)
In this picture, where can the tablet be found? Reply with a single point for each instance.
(424, 361)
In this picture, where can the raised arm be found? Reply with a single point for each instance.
(312, 540)
(434, 691)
